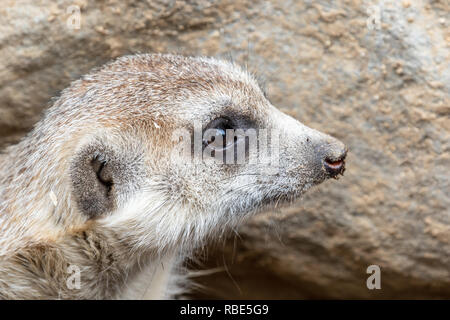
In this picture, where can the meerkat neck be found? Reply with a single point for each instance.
(85, 265)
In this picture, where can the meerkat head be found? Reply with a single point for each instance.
(166, 150)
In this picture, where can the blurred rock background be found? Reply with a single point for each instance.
(375, 74)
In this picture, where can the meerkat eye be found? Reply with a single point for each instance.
(215, 134)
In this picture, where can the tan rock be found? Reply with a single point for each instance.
(390, 105)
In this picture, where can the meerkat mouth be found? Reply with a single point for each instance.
(335, 167)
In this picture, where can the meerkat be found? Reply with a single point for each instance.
(97, 186)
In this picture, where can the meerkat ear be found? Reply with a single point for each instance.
(92, 174)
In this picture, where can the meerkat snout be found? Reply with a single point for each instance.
(142, 161)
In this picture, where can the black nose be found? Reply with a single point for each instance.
(335, 164)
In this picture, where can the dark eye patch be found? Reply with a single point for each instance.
(220, 127)
(232, 120)
(221, 123)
